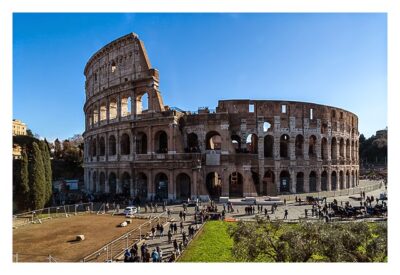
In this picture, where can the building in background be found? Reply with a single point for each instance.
(19, 128)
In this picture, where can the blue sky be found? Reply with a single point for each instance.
(334, 59)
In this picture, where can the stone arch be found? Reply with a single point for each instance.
(103, 111)
(334, 148)
(142, 103)
(284, 146)
(341, 180)
(214, 185)
(324, 181)
(341, 148)
(324, 148)
(126, 105)
(348, 149)
(93, 147)
(300, 182)
(126, 184)
(312, 144)
(95, 114)
(213, 140)
(269, 146)
(141, 186)
(141, 143)
(102, 146)
(269, 183)
(102, 182)
(193, 143)
(334, 181)
(235, 185)
(161, 142)
(347, 179)
(161, 186)
(113, 108)
(284, 181)
(252, 143)
(125, 144)
(352, 179)
(299, 143)
(112, 183)
(94, 182)
(183, 185)
(313, 181)
(112, 145)
(236, 143)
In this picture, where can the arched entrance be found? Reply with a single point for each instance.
(213, 141)
(300, 182)
(334, 181)
(112, 183)
(141, 143)
(192, 143)
(235, 185)
(313, 181)
(269, 187)
(161, 186)
(213, 184)
(284, 181)
(126, 184)
(352, 179)
(141, 186)
(347, 179)
(324, 181)
(269, 146)
(161, 142)
(341, 180)
(183, 187)
(94, 182)
(102, 183)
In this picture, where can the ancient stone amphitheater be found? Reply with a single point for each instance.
(137, 146)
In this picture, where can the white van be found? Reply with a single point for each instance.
(130, 210)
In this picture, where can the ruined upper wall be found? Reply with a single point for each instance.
(122, 60)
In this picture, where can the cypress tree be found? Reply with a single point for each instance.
(37, 178)
(47, 169)
(23, 188)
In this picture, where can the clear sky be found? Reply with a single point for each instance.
(333, 59)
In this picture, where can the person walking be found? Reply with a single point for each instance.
(286, 214)
(169, 236)
(153, 232)
(154, 256)
(181, 226)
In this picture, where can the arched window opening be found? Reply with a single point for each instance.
(141, 187)
(213, 141)
(112, 106)
(341, 179)
(142, 103)
(141, 143)
(112, 146)
(341, 149)
(161, 187)
(324, 149)
(284, 182)
(102, 147)
(93, 151)
(252, 144)
(324, 181)
(95, 115)
(192, 143)
(312, 144)
(284, 146)
(103, 111)
(235, 185)
(183, 187)
(347, 179)
(333, 181)
(299, 144)
(214, 185)
(269, 146)
(113, 67)
(334, 149)
(126, 185)
(313, 181)
(125, 144)
(126, 104)
(269, 187)
(112, 183)
(236, 143)
(300, 182)
(348, 149)
(161, 142)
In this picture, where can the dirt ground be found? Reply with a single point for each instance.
(56, 237)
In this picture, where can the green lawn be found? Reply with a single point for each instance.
(212, 245)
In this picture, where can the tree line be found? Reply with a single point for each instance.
(32, 174)
(264, 241)
(373, 150)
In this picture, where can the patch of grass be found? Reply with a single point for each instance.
(212, 245)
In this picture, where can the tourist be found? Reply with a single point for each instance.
(176, 245)
(153, 232)
(184, 215)
(180, 215)
(161, 231)
(133, 251)
(127, 256)
(265, 211)
(159, 251)
(286, 214)
(154, 256)
(181, 226)
(305, 213)
(168, 213)
(169, 236)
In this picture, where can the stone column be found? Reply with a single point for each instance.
(277, 181)
(171, 185)
(318, 180)
(277, 147)
(225, 183)
(329, 178)
(305, 148)
(119, 108)
(292, 150)
(292, 181)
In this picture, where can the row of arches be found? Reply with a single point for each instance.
(138, 186)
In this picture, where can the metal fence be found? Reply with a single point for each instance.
(41, 215)
(117, 247)
(25, 258)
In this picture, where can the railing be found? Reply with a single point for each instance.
(117, 247)
(40, 215)
(24, 258)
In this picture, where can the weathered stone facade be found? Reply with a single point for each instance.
(243, 148)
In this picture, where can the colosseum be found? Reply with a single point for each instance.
(136, 146)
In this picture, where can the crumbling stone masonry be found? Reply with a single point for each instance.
(136, 145)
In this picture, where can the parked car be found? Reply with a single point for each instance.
(130, 210)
